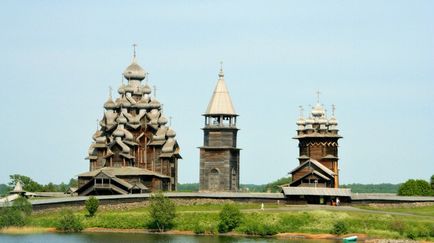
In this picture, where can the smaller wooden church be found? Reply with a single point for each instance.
(318, 150)
(316, 178)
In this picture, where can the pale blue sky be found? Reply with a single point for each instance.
(373, 59)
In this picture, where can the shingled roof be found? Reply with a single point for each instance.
(220, 103)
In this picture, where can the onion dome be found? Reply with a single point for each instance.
(101, 139)
(318, 111)
(97, 134)
(129, 88)
(123, 101)
(121, 119)
(109, 104)
(155, 104)
(309, 120)
(322, 120)
(146, 89)
(138, 91)
(143, 103)
(121, 89)
(162, 120)
(301, 121)
(333, 121)
(134, 71)
(170, 133)
(118, 132)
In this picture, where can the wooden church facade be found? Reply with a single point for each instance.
(318, 150)
(133, 151)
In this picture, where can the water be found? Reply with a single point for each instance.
(137, 237)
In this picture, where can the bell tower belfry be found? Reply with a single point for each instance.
(219, 155)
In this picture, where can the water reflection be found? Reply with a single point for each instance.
(135, 237)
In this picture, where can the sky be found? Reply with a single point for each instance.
(373, 59)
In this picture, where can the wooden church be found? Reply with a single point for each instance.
(133, 151)
(317, 137)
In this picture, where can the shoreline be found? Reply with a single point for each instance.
(41, 230)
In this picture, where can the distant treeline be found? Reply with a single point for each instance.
(274, 187)
(32, 186)
(373, 188)
(270, 187)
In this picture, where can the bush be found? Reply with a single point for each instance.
(69, 222)
(415, 188)
(259, 224)
(92, 205)
(15, 215)
(204, 228)
(10, 216)
(22, 205)
(162, 211)
(340, 228)
(230, 218)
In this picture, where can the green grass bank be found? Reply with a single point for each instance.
(203, 219)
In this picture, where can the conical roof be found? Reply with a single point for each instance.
(18, 188)
(221, 102)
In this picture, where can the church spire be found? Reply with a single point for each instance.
(221, 102)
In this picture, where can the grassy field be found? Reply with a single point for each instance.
(276, 219)
(423, 210)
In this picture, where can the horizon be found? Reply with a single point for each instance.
(372, 59)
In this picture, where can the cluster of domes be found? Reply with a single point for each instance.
(317, 120)
(132, 115)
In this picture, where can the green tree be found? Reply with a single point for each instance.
(162, 211)
(432, 182)
(415, 188)
(73, 183)
(23, 205)
(4, 189)
(28, 184)
(15, 215)
(275, 186)
(230, 218)
(50, 187)
(62, 187)
(92, 204)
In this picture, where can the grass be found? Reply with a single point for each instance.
(422, 210)
(204, 219)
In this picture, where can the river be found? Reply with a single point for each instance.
(137, 237)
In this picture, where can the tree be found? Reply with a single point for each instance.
(415, 188)
(92, 205)
(275, 186)
(4, 189)
(15, 215)
(432, 182)
(73, 183)
(28, 184)
(50, 187)
(162, 211)
(230, 218)
(23, 205)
